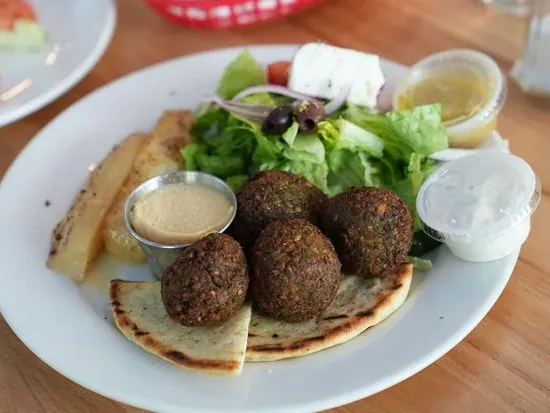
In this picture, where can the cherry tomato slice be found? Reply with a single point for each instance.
(24, 11)
(277, 73)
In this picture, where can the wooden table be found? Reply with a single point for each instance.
(503, 365)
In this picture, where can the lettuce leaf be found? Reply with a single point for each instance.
(329, 133)
(222, 166)
(369, 150)
(347, 169)
(420, 128)
(314, 173)
(419, 263)
(408, 187)
(243, 72)
(262, 98)
(306, 148)
(355, 138)
(236, 181)
(291, 133)
(189, 153)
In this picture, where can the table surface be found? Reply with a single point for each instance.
(502, 366)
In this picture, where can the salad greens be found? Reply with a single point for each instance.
(352, 147)
(240, 74)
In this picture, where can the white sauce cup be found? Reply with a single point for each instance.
(480, 205)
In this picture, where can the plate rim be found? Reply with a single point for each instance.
(320, 404)
(77, 74)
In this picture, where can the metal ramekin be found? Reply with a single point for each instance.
(159, 256)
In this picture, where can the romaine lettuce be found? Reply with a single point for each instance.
(242, 73)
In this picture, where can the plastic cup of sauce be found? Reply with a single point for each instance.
(469, 86)
(480, 206)
(169, 212)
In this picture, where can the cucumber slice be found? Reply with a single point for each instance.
(26, 35)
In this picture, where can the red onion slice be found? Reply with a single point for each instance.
(338, 101)
(250, 106)
(260, 112)
(279, 90)
(239, 111)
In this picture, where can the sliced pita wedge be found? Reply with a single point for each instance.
(140, 315)
(359, 304)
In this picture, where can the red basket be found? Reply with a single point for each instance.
(224, 14)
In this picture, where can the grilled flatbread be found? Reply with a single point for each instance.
(360, 304)
(139, 314)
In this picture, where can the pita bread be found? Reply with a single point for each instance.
(360, 303)
(139, 314)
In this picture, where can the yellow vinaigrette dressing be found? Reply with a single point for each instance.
(460, 96)
(467, 84)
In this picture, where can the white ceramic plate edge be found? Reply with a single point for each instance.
(74, 78)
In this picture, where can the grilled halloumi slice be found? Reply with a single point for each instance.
(77, 238)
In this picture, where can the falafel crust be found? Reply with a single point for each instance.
(295, 271)
(272, 195)
(371, 228)
(207, 283)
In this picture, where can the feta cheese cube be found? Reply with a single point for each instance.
(323, 71)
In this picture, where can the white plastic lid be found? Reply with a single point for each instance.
(478, 196)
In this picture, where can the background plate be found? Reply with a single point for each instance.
(79, 31)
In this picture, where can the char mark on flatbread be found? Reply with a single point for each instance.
(361, 303)
(140, 315)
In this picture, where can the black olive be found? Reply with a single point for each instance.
(278, 120)
(308, 114)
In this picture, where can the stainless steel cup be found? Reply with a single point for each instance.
(159, 256)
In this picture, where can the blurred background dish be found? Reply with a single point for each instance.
(515, 7)
(530, 71)
(77, 33)
(225, 14)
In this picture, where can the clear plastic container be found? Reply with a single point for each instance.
(469, 86)
(480, 206)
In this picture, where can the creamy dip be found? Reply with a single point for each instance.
(480, 205)
(180, 214)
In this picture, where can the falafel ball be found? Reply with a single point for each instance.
(207, 283)
(295, 271)
(371, 228)
(271, 195)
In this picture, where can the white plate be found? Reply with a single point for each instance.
(69, 326)
(79, 31)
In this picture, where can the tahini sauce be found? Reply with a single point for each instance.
(180, 214)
